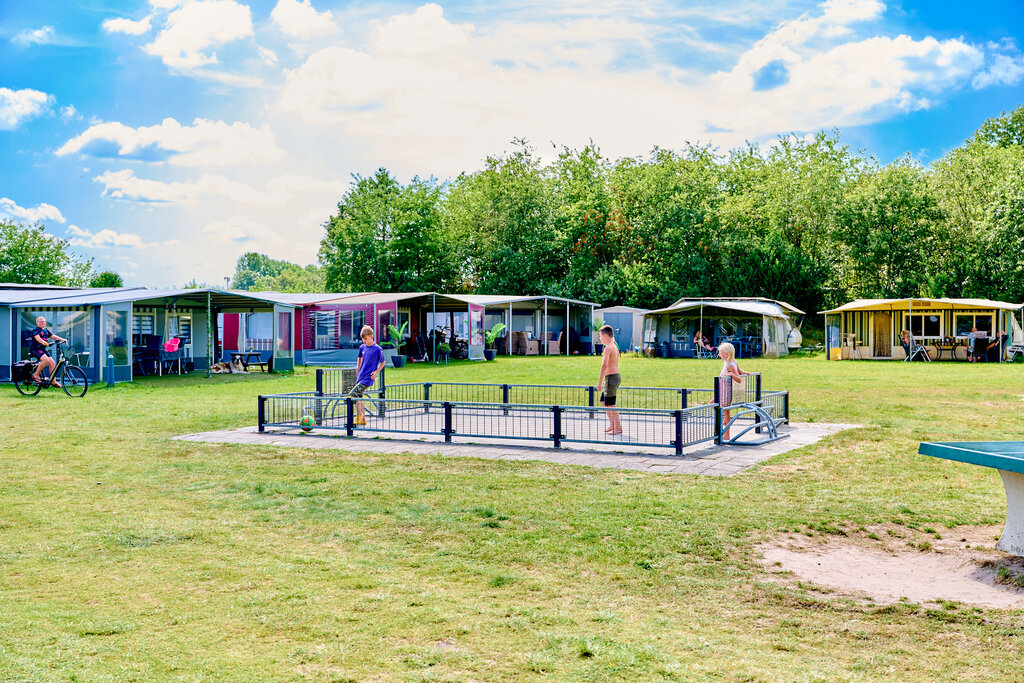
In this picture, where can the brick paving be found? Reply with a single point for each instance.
(707, 459)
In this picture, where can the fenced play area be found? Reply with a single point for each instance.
(561, 415)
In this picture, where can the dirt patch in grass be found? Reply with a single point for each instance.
(887, 564)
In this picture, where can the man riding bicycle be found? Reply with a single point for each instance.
(40, 340)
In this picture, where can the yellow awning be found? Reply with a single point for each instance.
(923, 305)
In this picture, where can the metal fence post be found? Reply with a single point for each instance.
(718, 411)
(380, 402)
(261, 416)
(757, 397)
(686, 398)
(426, 397)
(785, 406)
(590, 392)
(557, 436)
(319, 416)
(350, 419)
(679, 429)
(504, 397)
(447, 422)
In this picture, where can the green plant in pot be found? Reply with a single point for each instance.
(443, 350)
(395, 337)
(490, 336)
(597, 325)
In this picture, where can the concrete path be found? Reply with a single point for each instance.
(703, 459)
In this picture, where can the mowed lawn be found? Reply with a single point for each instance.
(127, 556)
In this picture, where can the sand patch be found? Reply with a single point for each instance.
(899, 565)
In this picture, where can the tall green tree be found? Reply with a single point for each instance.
(30, 255)
(107, 278)
(1004, 130)
(389, 237)
(504, 215)
(888, 226)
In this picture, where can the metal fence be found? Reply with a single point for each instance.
(507, 421)
(650, 416)
(340, 381)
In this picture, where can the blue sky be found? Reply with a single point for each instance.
(166, 137)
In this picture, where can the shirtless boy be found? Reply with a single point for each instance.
(609, 378)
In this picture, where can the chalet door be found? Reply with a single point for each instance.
(882, 335)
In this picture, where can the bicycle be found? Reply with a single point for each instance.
(72, 378)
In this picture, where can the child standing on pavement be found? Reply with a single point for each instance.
(371, 360)
(610, 378)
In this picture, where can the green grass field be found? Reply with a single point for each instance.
(127, 556)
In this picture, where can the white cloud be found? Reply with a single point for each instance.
(17, 106)
(301, 20)
(276, 192)
(849, 11)
(1004, 70)
(239, 228)
(204, 143)
(41, 212)
(69, 113)
(105, 238)
(268, 56)
(197, 27)
(39, 36)
(428, 95)
(127, 26)
(425, 30)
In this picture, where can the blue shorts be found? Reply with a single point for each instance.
(39, 353)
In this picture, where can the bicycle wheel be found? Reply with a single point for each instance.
(74, 381)
(27, 387)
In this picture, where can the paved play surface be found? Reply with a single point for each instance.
(704, 458)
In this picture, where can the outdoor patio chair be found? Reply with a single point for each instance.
(1013, 350)
(524, 346)
(552, 344)
(915, 351)
(704, 352)
(996, 348)
(976, 349)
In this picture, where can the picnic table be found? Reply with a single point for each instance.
(246, 359)
(1007, 457)
(949, 345)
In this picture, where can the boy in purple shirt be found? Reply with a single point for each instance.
(371, 360)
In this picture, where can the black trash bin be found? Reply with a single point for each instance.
(664, 350)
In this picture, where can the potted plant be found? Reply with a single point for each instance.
(443, 351)
(394, 344)
(490, 336)
(597, 325)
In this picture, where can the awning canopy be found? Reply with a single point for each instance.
(923, 304)
(764, 307)
(707, 301)
(99, 297)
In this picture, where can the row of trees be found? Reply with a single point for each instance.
(259, 273)
(30, 255)
(806, 221)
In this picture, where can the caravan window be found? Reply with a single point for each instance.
(923, 326)
(683, 328)
(259, 331)
(965, 321)
(73, 325)
(337, 329)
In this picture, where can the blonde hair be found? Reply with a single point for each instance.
(727, 351)
(367, 330)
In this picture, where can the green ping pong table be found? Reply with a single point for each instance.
(1008, 458)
